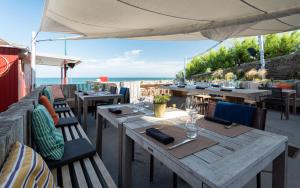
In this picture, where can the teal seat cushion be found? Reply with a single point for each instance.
(48, 93)
(48, 139)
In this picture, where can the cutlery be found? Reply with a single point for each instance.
(181, 143)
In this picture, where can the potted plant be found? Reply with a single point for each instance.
(160, 104)
(96, 87)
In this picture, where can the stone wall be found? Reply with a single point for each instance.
(278, 68)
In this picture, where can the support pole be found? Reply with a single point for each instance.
(33, 60)
(65, 65)
(65, 72)
(184, 70)
(261, 50)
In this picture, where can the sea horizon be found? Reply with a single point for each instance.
(81, 80)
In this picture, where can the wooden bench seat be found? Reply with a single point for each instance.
(15, 126)
(89, 172)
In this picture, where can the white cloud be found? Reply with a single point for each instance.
(126, 65)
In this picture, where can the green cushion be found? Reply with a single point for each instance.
(48, 94)
(49, 140)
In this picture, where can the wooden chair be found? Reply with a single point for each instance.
(275, 99)
(16, 126)
(259, 122)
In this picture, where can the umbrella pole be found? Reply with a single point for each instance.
(261, 50)
(33, 60)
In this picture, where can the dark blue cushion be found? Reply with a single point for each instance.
(236, 113)
(123, 91)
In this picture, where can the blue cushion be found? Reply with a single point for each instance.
(123, 91)
(236, 113)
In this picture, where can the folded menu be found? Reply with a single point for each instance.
(218, 120)
(159, 136)
(115, 110)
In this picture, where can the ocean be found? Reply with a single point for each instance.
(46, 81)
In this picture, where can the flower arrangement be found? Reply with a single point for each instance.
(96, 87)
(230, 76)
(218, 74)
(251, 74)
(262, 73)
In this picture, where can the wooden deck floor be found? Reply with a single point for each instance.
(163, 176)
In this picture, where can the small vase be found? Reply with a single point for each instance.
(159, 110)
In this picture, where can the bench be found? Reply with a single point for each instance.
(15, 126)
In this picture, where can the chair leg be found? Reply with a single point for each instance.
(132, 159)
(174, 180)
(258, 180)
(281, 112)
(151, 168)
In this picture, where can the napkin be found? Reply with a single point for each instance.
(159, 136)
(199, 87)
(223, 89)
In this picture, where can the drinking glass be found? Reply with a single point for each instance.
(190, 106)
(191, 129)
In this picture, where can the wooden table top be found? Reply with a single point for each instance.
(231, 163)
(252, 94)
(97, 95)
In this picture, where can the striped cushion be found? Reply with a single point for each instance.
(25, 168)
(48, 94)
(49, 140)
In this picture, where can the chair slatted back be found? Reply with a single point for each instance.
(259, 119)
(277, 93)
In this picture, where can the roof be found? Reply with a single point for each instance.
(4, 43)
(55, 60)
(170, 19)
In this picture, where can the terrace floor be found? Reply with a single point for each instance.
(163, 176)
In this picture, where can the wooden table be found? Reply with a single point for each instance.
(82, 101)
(233, 162)
(288, 94)
(117, 122)
(251, 94)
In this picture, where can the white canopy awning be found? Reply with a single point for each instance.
(55, 60)
(170, 19)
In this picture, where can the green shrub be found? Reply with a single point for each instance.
(236, 54)
(161, 99)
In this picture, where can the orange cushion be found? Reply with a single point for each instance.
(57, 93)
(45, 102)
(285, 85)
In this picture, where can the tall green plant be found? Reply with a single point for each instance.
(227, 57)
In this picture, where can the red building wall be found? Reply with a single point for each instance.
(9, 80)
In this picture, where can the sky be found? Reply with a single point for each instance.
(110, 57)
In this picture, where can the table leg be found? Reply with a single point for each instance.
(126, 160)
(79, 108)
(99, 129)
(279, 172)
(120, 153)
(76, 104)
(287, 107)
(295, 104)
(85, 113)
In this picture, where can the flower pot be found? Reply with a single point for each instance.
(159, 110)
